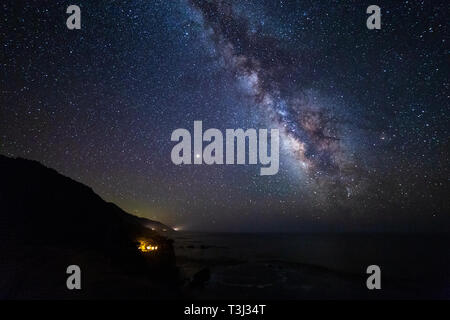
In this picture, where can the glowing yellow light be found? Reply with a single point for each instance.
(144, 246)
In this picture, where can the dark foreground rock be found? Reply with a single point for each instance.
(49, 221)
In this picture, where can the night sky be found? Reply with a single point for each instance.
(363, 114)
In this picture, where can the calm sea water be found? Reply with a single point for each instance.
(291, 266)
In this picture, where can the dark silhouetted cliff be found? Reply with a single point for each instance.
(49, 221)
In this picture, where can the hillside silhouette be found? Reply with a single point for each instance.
(49, 221)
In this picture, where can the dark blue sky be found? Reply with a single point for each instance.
(364, 114)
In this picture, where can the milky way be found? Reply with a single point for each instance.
(265, 71)
(363, 114)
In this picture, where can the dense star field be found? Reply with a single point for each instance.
(363, 114)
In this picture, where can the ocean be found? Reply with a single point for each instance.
(313, 266)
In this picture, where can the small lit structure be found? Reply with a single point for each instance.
(146, 246)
